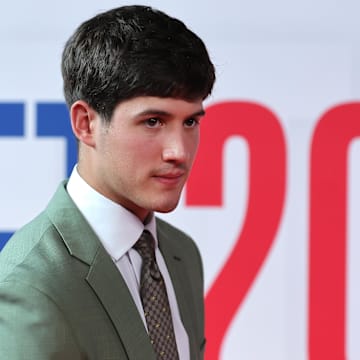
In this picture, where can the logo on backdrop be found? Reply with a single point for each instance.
(52, 120)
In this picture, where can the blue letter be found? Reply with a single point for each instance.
(53, 121)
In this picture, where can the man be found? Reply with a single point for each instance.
(73, 282)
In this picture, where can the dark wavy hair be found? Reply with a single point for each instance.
(134, 51)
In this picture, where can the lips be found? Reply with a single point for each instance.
(170, 178)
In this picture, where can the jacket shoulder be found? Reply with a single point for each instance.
(22, 243)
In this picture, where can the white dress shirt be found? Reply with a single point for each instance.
(118, 230)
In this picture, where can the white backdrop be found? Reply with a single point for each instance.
(297, 60)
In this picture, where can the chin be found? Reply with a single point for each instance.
(166, 209)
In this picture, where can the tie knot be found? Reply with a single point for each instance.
(145, 246)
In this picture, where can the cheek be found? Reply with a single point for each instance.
(194, 145)
(136, 156)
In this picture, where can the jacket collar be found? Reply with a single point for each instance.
(83, 244)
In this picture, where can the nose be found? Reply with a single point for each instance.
(175, 148)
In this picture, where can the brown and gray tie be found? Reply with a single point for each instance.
(155, 301)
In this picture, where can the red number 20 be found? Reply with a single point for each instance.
(267, 183)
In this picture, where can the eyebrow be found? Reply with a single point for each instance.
(165, 113)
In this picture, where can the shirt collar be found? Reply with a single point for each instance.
(117, 228)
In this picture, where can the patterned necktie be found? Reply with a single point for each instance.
(155, 301)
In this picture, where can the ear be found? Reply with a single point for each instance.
(83, 122)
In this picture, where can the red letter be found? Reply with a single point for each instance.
(327, 277)
(265, 139)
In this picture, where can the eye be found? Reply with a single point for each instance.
(191, 122)
(153, 122)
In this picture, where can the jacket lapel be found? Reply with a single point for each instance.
(103, 276)
(180, 282)
(118, 303)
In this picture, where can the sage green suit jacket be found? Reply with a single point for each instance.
(62, 297)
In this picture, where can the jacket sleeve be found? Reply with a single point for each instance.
(32, 326)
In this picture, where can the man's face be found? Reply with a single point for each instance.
(142, 159)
